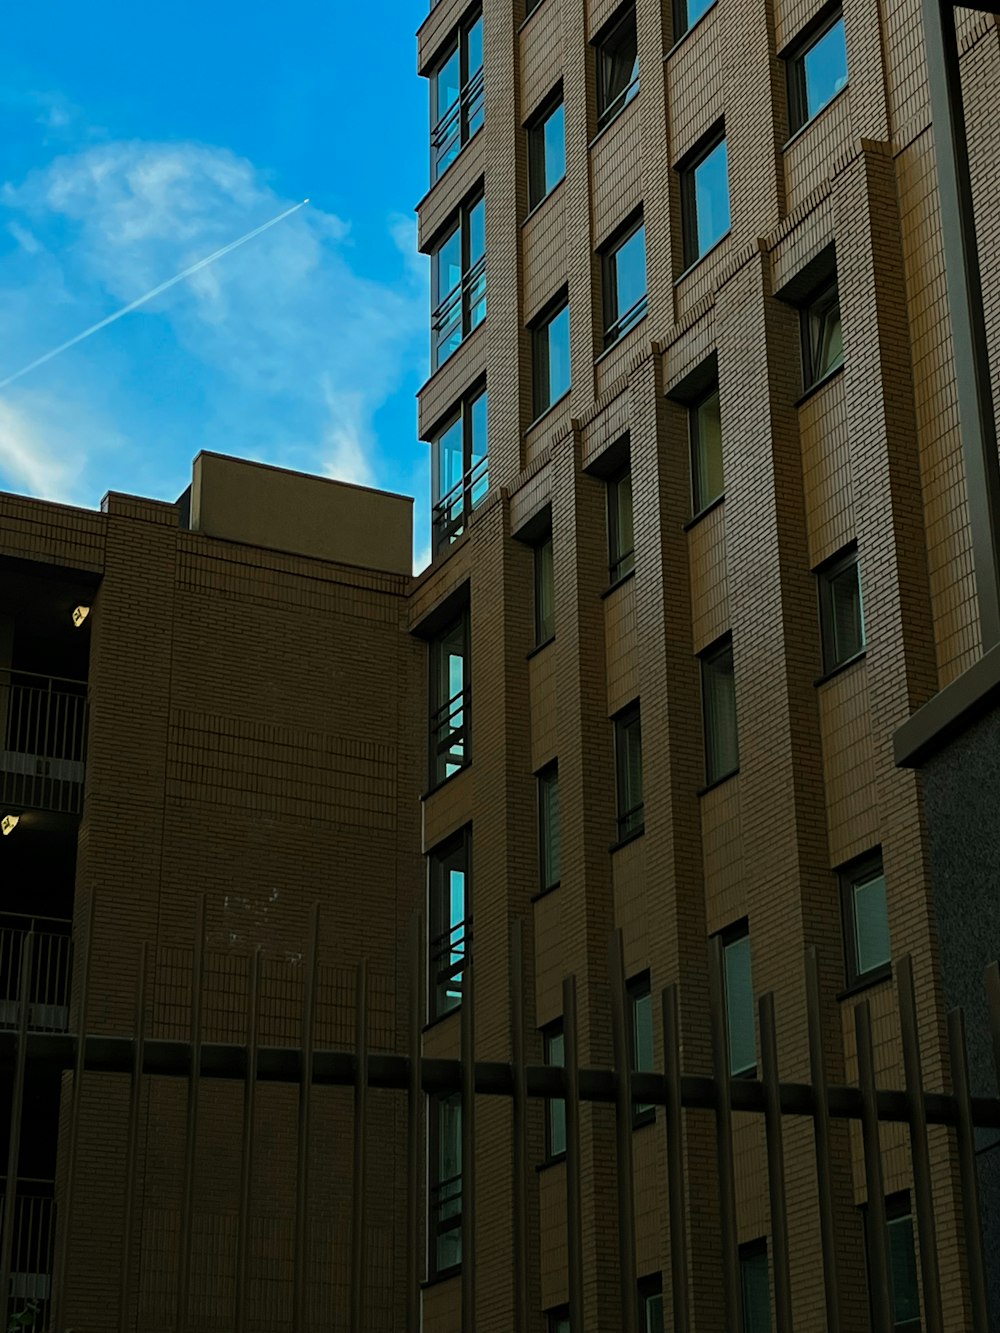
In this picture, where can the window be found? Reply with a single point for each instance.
(548, 827)
(718, 699)
(545, 611)
(756, 1288)
(817, 70)
(902, 1265)
(841, 612)
(705, 425)
(641, 1040)
(461, 470)
(617, 68)
(557, 1321)
(705, 201)
(555, 1109)
(822, 339)
(457, 97)
(628, 760)
(449, 919)
(739, 1001)
(866, 921)
(546, 150)
(687, 13)
(444, 1160)
(651, 1305)
(449, 683)
(624, 280)
(550, 355)
(458, 267)
(621, 542)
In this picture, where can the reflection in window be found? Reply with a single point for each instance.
(448, 867)
(546, 151)
(822, 339)
(866, 921)
(756, 1287)
(458, 268)
(445, 1183)
(550, 356)
(461, 470)
(621, 541)
(624, 285)
(449, 675)
(457, 97)
(548, 827)
(617, 68)
(628, 761)
(705, 423)
(687, 13)
(555, 1117)
(739, 1002)
(641, 1040)
(842, 618)
(817, 72)
(705, 201)
(718, 697)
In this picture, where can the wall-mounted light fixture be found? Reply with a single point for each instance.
(80, 614)
(9, 823)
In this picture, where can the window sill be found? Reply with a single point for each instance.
(688, 31)
(841, 667)
(613, 346)
(544, 893)
(441, 1018)
(438, 1278)
(629, 837)
(603, 129)
(716, 782)
(873, 978)
(622, 578)
(540, 647)
(528, 17)
(644, 1118)
(551, 408)
(704, 513)
(820, 384)
(701, 258)
(558, 1160)
(793, 138)
(444, 781)
(535, 208)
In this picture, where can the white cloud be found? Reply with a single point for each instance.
(28, 457)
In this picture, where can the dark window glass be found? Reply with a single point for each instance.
(555, 1117)
(822, 339)
(706, 450)
(449, 923)
(687, 13)
(756, 1288)
(545, 610)
(617, 68)
(739, 1001)
(461, 470)
(651, 1305)
(641, 1039)
(621, 543)
(445, 1183)
(546, 152)
(705, 201)
(449, 679)
(457, 97)
(458, 268)
(866, 920)
(718, 696)
(548, 826)
(902, 1266)
(841, 612)
(628, 758)
(817, 72)
(624, 285)
(550, 345)
(557, 1321)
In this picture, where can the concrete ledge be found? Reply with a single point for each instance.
(949, 713)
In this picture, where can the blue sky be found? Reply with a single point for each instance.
(138, 139)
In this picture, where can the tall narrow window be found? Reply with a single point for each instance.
(444, 1155)
(449, 918)
(555, 1112)
(550, 355)
(705, 201)
(617, 68)
(739, 1001)
(705, 425)
(621, 540)
(457, 96)
(718, 697)
(687, 13)
(546, 150)
(548, 827)
(545, 610)
(641, 1040)
(449, 703)
(756, 1287)
(841, 611)
(628, 761)
(458, 266)
(902, 1265)
(624, 269)
(557, 1321)
(651, 1305)
(822, 336)
(461, 470)
(817, 71)
(866, 921)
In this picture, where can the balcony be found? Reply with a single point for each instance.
(449, 741)
(43, 729)
(457, 126)
(450, 514)
(48, 983)
(31, 1251)
(461, 311)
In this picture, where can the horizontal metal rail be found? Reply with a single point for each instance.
(49, 975)
(43, 736)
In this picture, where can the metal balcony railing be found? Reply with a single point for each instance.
(458, 124)
(48, 983)
(447, 953)
(43, 735)
(449, 739)
(461, 311)
(31, 1243)
(451, 513)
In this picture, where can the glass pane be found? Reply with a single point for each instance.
(477, 232)
(845, 628)
(558, 341)
(555, 1054)
(621, 538)
(479, 449)
(448, 266)
(554, 131)
(450, 460)
(474, 47)
(449, 1138)
(630, 278)
(706, 439)
(739, 1006)
(903, 1271)
(629, 759)
(690, 13)
(642, 1031)
(653, 1314)
(719, 698)
(826, 339)
(756, 1293)
(544, 593)
(711, 194)
(871, 924)
(618, 62)
(445, 87)
(825, 69)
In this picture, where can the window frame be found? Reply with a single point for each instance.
(707, 659)
(467, 295)
(621, 563)
(854, 875)
(686, 170)
(898, 1208)
(441, 861)
(608, 112)
(450, 514)
(682, 22)
(535, 129)
(699, 504)
(630, 821)
(544, 584)
(637, 989)
(441, 711)
(554, 1032)
(541, 341)
(812, 377)
(436, 1226)
(752, 1252)
(649, 1289)
(557, 1319)
(826, 573)
(548, 781)
(799, 115)
(468, 106)
(735, 934)
(617, 323)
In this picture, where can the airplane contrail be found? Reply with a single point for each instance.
(134, 305)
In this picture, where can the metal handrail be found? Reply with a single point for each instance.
(627, 321)
(48, 982)
(43, 739)
(449, 513)
(452, 126)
